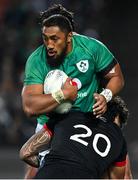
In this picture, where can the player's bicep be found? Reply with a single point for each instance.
(114, 72)
(128, 173)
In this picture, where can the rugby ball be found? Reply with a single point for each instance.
(54, 81)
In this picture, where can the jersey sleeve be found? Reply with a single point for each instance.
(50, 131)
(42, 119)
(33, 71)
(104, 59)
(121, 160)
(50, 125)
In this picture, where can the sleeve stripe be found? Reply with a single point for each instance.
(120, 164)
(104, 71)
(47, 129)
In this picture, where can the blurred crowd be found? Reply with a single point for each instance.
(20, 34)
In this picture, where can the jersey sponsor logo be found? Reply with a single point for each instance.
(81, 95)
(83, 65)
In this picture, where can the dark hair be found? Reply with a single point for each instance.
(115, 107)
(57, 15)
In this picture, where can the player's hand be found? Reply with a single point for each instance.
(100, 106)
(69, 90)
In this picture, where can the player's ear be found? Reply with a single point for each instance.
(69, 37)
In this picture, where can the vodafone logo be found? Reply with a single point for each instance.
(78, 82)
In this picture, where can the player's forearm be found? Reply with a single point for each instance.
(33, 146)
(38, 104)
(33, 161)
(115, 84)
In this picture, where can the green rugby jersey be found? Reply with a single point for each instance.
(87, 58)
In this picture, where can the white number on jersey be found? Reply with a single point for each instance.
(95, 141)
(76, 137)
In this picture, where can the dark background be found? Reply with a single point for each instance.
(113, 22)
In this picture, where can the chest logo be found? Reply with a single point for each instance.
(83, 65)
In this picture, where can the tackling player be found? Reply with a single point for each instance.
(117, 112)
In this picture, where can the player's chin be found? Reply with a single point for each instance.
(55, 61)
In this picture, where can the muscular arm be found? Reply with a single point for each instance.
(115, 84)
(30, 149)
(117, 172)
(128, 173)
(36, 103)
(115, 79)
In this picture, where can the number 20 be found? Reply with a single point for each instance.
(76, 137)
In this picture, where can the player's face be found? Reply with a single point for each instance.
(57, 43)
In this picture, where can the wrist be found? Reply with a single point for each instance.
(107, 93)
(58, 96)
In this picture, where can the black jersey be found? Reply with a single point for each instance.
(86, 143)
